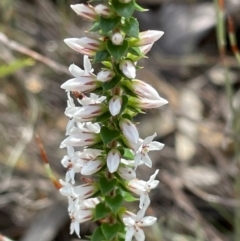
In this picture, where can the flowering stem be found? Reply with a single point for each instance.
(102, 123)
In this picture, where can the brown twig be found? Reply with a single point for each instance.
(24, 50)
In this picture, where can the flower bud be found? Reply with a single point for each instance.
(145, 103)
(129, 130)
(148, 37)
(113, 160)
(105, 75)
(85, 11)
(115, 105)
(87, 46)
(82, 84)
(128, 68)
(92, 167)
(146, 48)
(103, 10)
(117, 38)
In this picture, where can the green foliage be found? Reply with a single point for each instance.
(131, 27)
(98, 235)
(108, 135)
(101, 56)
(112, 83)
(114, 203)
(106, 185)
(117, 51)
(108, 24)
(124, 9)
(128, 155)
(101, 211)
(110, 230)
(11, 68)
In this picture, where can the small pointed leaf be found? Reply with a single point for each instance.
(124, 9)
(114, 203)
(117, 51)
(108, 24)
(108, 135)
(110, 230)
(97, 235)
(131, 27)
(106, 185)
(101, 211)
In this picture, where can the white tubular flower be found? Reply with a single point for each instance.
(126, 173)
(92, 99)
(68, 162)
(115, 105)
(85, 11)
(147, 145)
(103, 10)
(82, 84)
(128, 68)
(85, 45)
(113, 160)
(145, 103)
(148, 37)
(117, 38)
(145, 48)
(82, 213)
(90, 111)
(84, 191)
(129, 130)
(92, 167)
(134, 224)
(145, 90)
(142, 188)
(81, 139)
(78, 72)
(105, 75)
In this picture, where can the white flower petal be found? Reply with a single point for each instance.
(139, 234)
(155, 146)
(148, 139)
(148, 221)
(129, 234)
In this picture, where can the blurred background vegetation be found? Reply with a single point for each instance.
(198, 198)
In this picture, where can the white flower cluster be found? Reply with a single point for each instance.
(83, 130)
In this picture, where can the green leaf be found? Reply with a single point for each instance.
(128, 155)
(110, 230)
(101, 211)
(112, 83)
(108, 135)
(124, 103)
(95, 27)
(98, 235)
(127, 116)
(131, 27)
(106, 185)
(124, 9)
(101, 56)
(114, 203)
(108, 24)
(103, 117)
(14, 66)
(117, 51)
(128, 197)
(135, 51)
(139, 8)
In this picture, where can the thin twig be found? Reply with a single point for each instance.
(24, 50)
(48, 169)
(232, 38)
